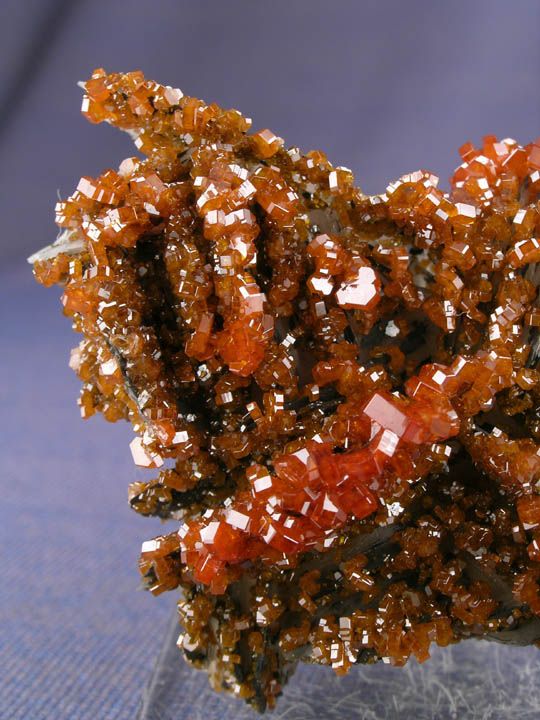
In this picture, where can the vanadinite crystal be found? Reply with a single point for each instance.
(340, 393)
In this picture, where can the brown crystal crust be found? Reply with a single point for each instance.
(341, 392)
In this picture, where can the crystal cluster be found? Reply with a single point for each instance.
(340, 393)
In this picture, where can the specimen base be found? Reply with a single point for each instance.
(475, 680)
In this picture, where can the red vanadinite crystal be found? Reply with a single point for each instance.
(341, 392)
(315, 490)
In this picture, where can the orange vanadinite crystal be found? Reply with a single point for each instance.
(339, 393)
(314, 490)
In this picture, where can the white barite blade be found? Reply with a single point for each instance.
(66, 243)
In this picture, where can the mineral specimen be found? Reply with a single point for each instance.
(341, 392)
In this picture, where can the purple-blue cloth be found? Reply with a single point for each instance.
(384, 87)
(77, 638)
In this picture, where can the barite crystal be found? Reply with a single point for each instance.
(341, 392)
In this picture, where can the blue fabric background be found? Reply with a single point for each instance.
(383, 86)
